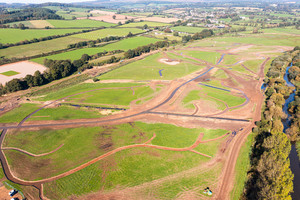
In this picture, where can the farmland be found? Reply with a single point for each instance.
(124, 44)
(107, 32)
(82, 23)
(141, 24)
(17, 35)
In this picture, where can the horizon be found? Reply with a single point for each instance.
(41, 1)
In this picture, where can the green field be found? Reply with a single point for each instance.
(77, 88)
(94, 35)
(253, 65)
(148, 69)
(287, 30)
(82, 23)
(141, 24)
(120, 169)
(10, 73)
(211, 57)
(191, 96)
(17, 35)
(187, 29)
(230, 99)
(39, 48)
(32, 24)
(241, 169)
(263, 39)
(124, 44)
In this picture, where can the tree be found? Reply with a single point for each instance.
(119, 23)
(175, 33)
(145, 26)
(85, 57)
(114, 16)
(73, 18)
(29, 79)
(129, 34)
(37, 78)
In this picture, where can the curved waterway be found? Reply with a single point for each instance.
(295, 163)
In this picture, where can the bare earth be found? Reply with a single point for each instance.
(23, 67)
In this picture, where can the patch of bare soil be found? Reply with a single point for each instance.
(109, 18)
(168, 61)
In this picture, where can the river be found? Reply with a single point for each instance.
(295, 163)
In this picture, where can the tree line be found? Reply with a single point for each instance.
(294, 107)
(57, 69)
(270, 176)
(27, 14)
(197, 36)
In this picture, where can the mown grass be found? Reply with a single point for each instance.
(94, 35)
(211, 57)
(141, 24)
(240, 68)
(10, 73)
(241, 169)
(229, 60)
(82, 23)
(124, 45)
(287, 30)
(39, 48)
(230, 99)
(148, 69)
(187, 29)
(17, 35)
(191, 96)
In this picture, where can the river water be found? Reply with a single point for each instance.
(295, 163)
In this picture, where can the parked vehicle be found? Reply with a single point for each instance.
(13, 192)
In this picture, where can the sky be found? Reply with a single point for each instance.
(40, 1)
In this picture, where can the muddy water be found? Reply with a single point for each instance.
(295, 163)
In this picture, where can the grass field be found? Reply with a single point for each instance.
(125, 44)
(263, 39)
(10, 73)
(120, 169)
(94, 35)
(193, 95)
(230, 99)
(17, 35)
(287, 30)
(59, 93)
(254, 65)
(141, 24)
(112, 97)
(80, 145)
(211, 57)
(241, 169)
(82, 23)
(187, 29)
(148, 69)
(39, 48)
(19, 113)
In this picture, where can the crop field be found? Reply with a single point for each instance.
(124, 45)
(94, 35)
(33, 24)
(80, 23)
(141, 24)
(148, 69)
(187, 29)
(17, 35)
(39, 48)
